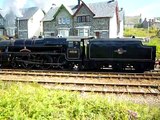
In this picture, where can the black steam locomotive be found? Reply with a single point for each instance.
(80, 53)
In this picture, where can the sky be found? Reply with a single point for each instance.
(147, 8)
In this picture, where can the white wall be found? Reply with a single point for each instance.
(121, 29)
(113, 27)
(34, 25)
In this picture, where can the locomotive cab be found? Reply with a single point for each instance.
(76, 51)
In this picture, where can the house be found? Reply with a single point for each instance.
(2, 25)
(29, 25)
(58, 21)
(155, 22)
(132, 21)
(99, 19)
(26, 26)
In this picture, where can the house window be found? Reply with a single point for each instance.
(1, 22)
(11, 32)
(63, 21)
(63, 32)
(60, 21)
(102, 33)
(1, 32)
(83, 32)
(83, 19)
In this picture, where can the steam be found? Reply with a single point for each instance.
(14, 6)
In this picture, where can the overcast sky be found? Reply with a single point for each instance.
(148, 8)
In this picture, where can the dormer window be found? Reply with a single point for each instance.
(85, 18)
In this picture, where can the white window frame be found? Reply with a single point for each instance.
(64, 32)
(83, 31)
(64, 21)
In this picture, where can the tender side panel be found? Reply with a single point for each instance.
(119, 50)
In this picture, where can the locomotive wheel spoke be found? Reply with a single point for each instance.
(26, 63)
(46, 62)
(62, 61)
(14, 63)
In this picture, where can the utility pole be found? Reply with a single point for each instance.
(148, 29)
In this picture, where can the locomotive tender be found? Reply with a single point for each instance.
(84, 53)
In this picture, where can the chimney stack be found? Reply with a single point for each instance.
(79, 2)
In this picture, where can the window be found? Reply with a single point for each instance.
(1, 22)
(64, 21)
(60, 21)
(83, 32)
(68, 21)
(10, 31)
(1, 32)
(63, 32)
(83, 19)
(88, 18)
(79, 19)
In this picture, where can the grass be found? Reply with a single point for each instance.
(140, 32)
(33, 102)
(156, 42)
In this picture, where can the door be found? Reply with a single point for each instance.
(97, 34)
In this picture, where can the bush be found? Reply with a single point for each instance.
(31, 101)
(140, 32)
(156, 42)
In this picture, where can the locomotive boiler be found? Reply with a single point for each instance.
(83, 53)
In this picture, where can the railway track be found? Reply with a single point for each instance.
(97, 82)
(143, 89)
(154, 74)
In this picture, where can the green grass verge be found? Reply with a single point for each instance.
(32, 102)
(155, 42)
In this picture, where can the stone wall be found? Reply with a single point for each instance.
(93, 23)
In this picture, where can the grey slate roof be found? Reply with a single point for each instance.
(28, 13)
(100, 9)
(103, 9)
(1, 16)
(50, 14)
